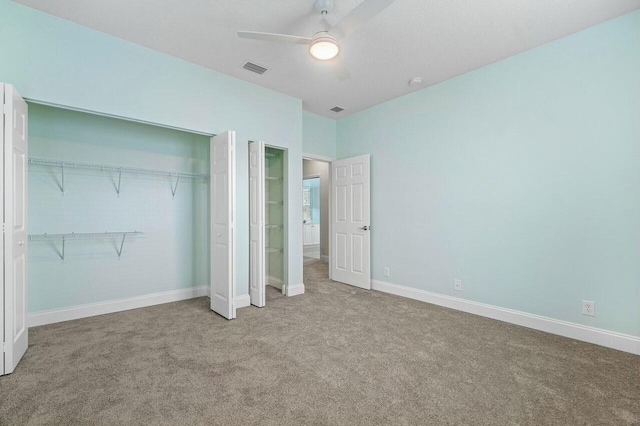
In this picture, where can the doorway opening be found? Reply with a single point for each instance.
(311, 207)
(315, 213)
(345, 242)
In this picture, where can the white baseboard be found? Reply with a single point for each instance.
(243, 301)
(598, 336)
(294, 290)
(324, 258)
(101, 308)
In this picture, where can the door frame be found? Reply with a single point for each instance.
(327, 160)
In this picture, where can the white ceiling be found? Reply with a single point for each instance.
(433, 39)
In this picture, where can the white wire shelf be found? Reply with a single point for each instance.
(117, 169)
(85, 236)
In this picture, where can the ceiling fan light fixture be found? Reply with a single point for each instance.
(324, 48)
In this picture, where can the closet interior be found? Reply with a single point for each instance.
(267, 220)
(274, 217)
(117, 210)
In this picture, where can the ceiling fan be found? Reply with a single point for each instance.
(323, 45)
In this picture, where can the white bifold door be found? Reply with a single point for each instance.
(257, 260)
(13, 298)
(222, 198)
(350, 214)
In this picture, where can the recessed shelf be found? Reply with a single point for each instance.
(117, 169)
(274, 226)
(274, 250)
(85, 236)
(277, 203)
(276, 179)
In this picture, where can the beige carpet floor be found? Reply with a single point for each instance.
(335, 355)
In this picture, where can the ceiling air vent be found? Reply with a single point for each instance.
(337, 109)
(250, 66)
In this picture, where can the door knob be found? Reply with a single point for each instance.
(365, 228)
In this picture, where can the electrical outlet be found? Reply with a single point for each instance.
(387, 273)
(457, 285)
(589, 308)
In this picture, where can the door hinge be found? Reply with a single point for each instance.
(3, 227)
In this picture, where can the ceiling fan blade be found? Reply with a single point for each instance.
(277, 38)
(340, 68)
(359, 16)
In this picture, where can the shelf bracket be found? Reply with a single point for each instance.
(62, 255)
(119, 181)
(124, 235)
(62, 181)
(175, 188)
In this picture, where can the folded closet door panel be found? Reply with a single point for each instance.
(257, 259)
(222, 187)
(14, 302)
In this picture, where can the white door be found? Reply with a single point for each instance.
(315, 234)
(14, 206)
(256, 224)
(308, 235)
(223, 188)
(350, 235)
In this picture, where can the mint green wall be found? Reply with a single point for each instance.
(318, 135)
(52, 60)
(174, 251)
(521, 178)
